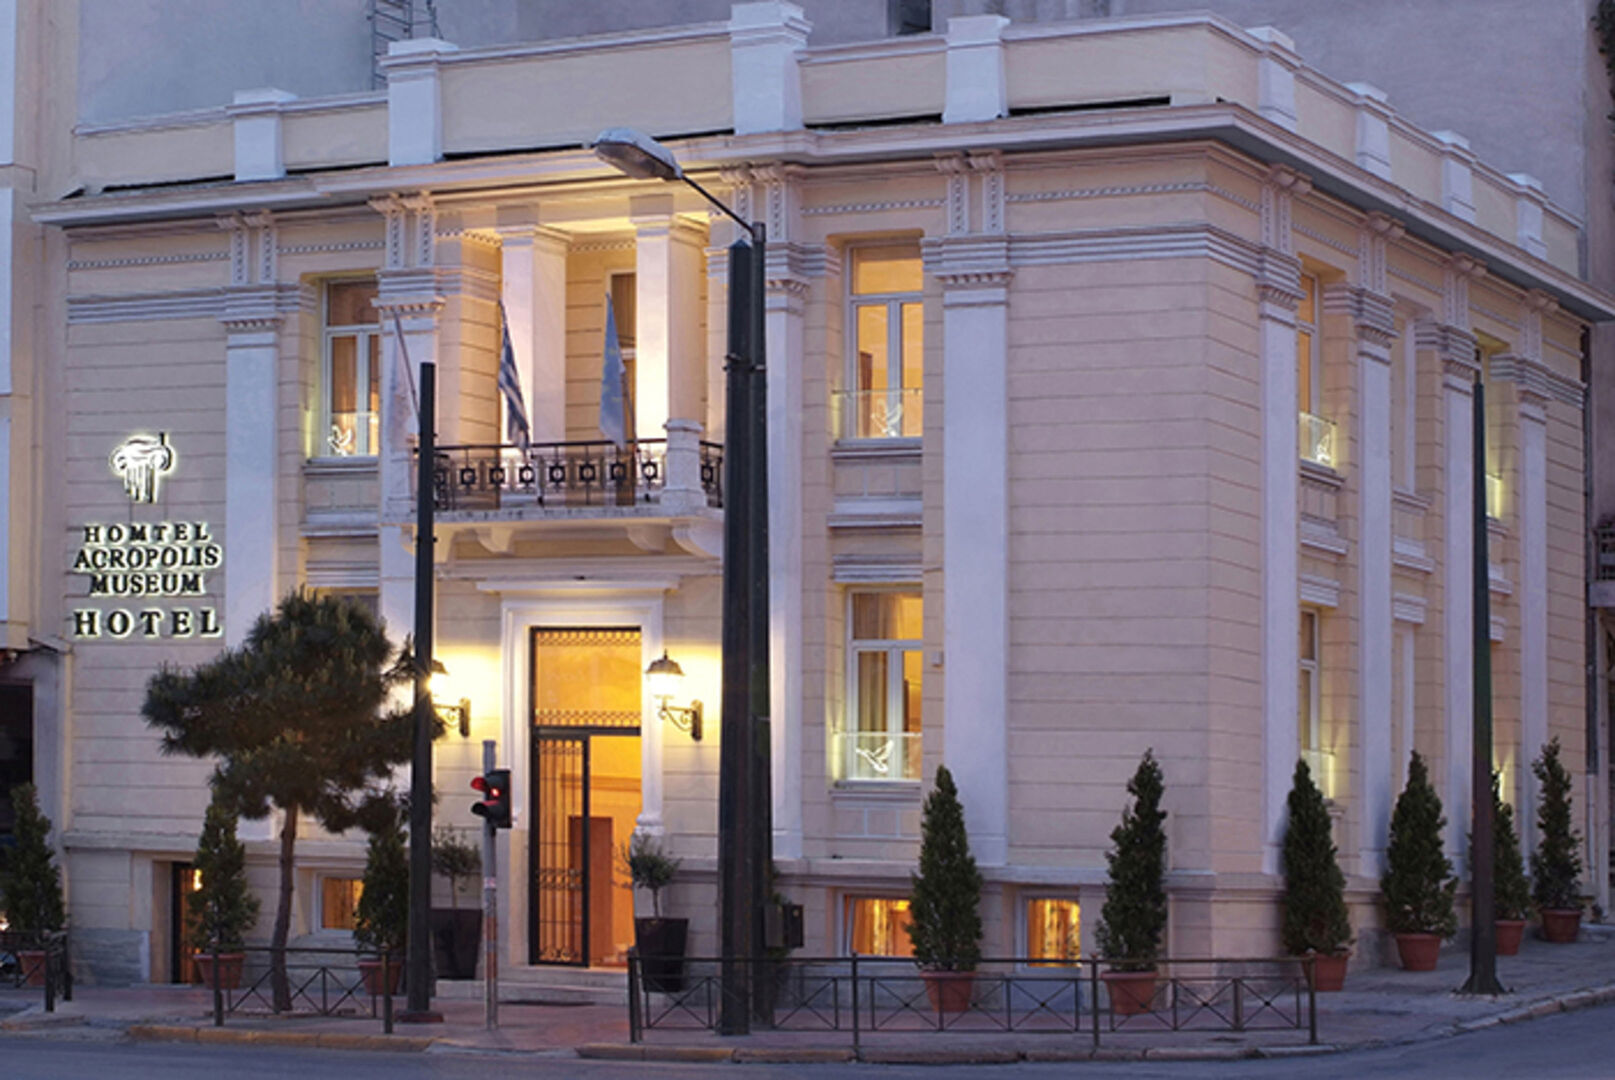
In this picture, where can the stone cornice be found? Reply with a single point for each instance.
(968, 261)
(1537, 384)
(1373, 314)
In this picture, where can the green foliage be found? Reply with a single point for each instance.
(1133, 919)
(945, 896)
(222, 908)
(454, 859)
(1418, 882)
(31, 890)
(381, 919)
(1556, 863)
(650, 867)
(1315, 918)
(1511, 891)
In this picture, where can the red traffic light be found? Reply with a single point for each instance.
(494, 786)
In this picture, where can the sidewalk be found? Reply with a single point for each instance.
(1379, 1007)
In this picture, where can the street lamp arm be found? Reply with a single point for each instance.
(751, 228)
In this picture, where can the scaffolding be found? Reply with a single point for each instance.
(397, 20)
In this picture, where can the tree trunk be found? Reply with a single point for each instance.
(281, 986)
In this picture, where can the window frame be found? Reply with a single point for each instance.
(1313, 743)
(1314, 346)
(894, 650)
(893, 303)
(362, 333)
(1027, 900)
(320, 878)
(849, 905)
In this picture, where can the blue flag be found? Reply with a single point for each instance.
(613, 376)
(516, 426)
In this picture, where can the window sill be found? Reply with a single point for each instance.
(864, 449)
(1322, 473)
(889, 790)
(350, 464)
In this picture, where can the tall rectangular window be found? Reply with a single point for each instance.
(878, 926)
(1052, 931)
(882, 736)
(883, 398)
(339, 900)
(1309, 719)
(1317, 433)
(350, 372)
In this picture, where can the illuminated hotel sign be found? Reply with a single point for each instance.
(144, 561)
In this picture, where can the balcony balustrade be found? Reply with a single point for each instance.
(1317, 440)
(675, 476)
(878, 414)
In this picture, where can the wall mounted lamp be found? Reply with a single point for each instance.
(664, 676)
(456, 715)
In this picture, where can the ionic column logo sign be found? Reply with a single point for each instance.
(142, 460)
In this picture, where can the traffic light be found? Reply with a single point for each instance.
(495, 805)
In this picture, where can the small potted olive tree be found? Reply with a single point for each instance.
(455, 933)
(1556, 862)
(1418, 882)
(1133, 919)
(32, 887)
(945, 901)
(222, 909)
(659, 941)
(1511, 891)
(1316, 923)
(381, 919)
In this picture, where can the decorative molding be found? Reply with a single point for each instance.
(323, 248)
(1457, 272)
(1153, 242)
(618, 244)
(252, 304)
(1319, 591)
(1321, 538)
(989, 165)
(1409, 554)
(149, 260)
(1118, 190)
(968, 261)
(1407, 608)
(1536, 380)
(1414, 279)
(1324, 238)
(872, 207)
(866, 569)
(952, 165)
(1373, 314)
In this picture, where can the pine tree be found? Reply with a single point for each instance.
(32, 886)
(1315, 917)
(298, 718)
(945, 898)
(1133, 919)
(1418, 882)
(1511, 891)
(222, 909)
(1556, 863)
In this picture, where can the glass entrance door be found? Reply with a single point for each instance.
(585, 793)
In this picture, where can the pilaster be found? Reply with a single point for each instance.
(977, 88)
(766, 40)
(256, 116)
(415, 100)
(533, 288)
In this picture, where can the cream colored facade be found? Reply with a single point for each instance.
(1114, 514)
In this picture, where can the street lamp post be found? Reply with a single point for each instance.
(745, 830)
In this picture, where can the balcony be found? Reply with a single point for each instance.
(878, 414)
(596, 477)
(1317, 440)
(880, 755)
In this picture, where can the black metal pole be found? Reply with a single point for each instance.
(418, 956)
(735, 853)
(761, 817)
(1483, 926)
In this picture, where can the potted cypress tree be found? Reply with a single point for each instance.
(1511, 891)
(221, 910)
(455, 933)
(659, 942)
(1133, 919)
(1556, 863)
(944, 906)
(381, 919)
(32, 887)
(1418, 882)
(1316, 923)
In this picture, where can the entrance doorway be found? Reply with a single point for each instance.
(585, 771)
(183, 880)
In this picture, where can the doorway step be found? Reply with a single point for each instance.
(546, 986)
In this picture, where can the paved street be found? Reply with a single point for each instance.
(1571, 1046)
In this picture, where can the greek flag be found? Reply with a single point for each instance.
(613, 375)
(516, 427)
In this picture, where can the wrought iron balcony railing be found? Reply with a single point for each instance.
(878, 414)
(566, 475)
(1317, 440)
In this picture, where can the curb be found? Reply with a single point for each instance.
(330, 1040)
(35, 1018)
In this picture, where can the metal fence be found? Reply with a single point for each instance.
(321, 981)
(28, 960)
(559, 475)
(873, 995)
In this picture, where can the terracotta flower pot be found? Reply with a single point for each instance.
(949, 991)
(1419, 952)
(32, 962)
(1131, 992)
(370, 972)
(230, 965)
(1328, 971)
(1509, 933)
(1561, 925)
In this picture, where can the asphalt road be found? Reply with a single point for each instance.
(1573, 1046)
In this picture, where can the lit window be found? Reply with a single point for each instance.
(1317, 433)
(350, 372)
(1052, 930)
(882, 736)
(339, 898)
(1308, 720)
(883, 399)
(878, 926)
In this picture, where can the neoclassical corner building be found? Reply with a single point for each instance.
(1120, 383)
